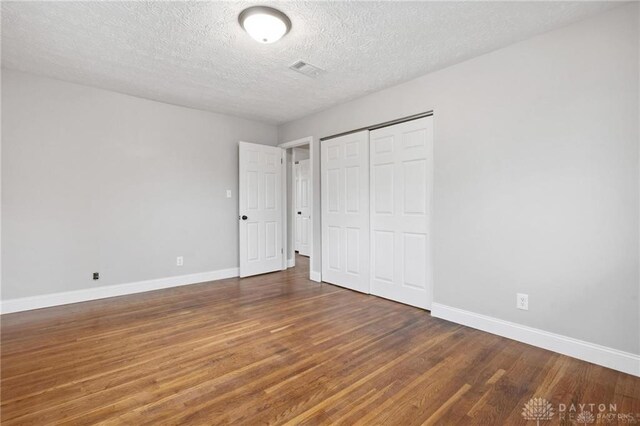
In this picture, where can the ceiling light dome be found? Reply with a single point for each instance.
(264, 24)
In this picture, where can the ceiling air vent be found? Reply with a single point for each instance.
(307, 69)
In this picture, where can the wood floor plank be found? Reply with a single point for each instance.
(277, 349)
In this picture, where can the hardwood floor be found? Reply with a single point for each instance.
(279, 349)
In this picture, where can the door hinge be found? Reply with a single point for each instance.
(281, 250)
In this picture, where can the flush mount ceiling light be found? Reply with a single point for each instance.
(264, 24)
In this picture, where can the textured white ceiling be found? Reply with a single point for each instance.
(195, 54)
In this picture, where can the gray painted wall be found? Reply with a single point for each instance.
(98, 181)
(300, 154)
(536, 177)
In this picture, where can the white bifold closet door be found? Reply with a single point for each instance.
(345, 211)
(401, 192)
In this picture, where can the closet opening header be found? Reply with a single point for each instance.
(381, 125)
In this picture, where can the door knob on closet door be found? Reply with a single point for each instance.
(244, 217)
(299, 212)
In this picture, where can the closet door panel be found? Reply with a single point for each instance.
(401, 162)
(345, 211)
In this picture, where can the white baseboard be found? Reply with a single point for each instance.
(315, 276)
(47, 300)
(291, 263)
(591, 352)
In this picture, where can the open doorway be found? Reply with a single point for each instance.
(299, 228)
(301, 204)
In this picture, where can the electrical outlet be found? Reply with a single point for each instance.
(522, 301)
(179, 261)
(96, 275)
(228, 193)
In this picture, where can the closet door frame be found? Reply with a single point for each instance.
(424, 304)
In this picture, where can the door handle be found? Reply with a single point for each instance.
(299, 212)
(244, 217)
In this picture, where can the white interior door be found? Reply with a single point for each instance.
(303, 208)
(345, 211)
(297, 219)
(401, 198)
(260, 209)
